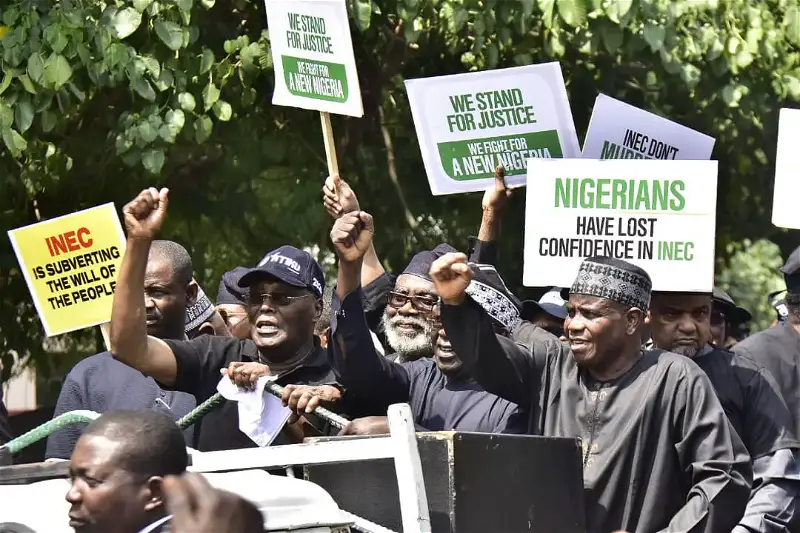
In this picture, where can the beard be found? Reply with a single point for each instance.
(686, 351)
(409, 347)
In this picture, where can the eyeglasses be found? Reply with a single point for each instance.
(420, 302)
(276, 300)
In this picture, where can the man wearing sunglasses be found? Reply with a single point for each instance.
(681, 323)
(284, 302)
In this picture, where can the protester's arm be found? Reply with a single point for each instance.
(61, 443)
(774, 506)
(352, 353)
(130, 343)
(498, 364)
(495, 201)
(712, 455)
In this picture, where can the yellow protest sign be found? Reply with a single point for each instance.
(71, 265)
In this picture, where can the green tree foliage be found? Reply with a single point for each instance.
(100, 98)
(751, 275)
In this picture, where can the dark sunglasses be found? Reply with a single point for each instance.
(276, 300)
(420, 302)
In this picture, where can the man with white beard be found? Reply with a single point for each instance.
(408, 320)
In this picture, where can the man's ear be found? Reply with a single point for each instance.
(317, 309)
(634, 319)
(155, 496)
(191, 293)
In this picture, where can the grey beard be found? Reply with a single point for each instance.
(409, 348)
(686, 351)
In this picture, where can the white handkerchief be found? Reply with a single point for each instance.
(261, 415)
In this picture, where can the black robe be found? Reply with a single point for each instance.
(659, 452)
(778, 350)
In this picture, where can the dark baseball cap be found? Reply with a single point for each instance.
(737, 314)
(290, 265)
(791, 271)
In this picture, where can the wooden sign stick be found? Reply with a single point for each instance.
(330, 145)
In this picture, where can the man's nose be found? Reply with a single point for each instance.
(686, 325)
(407, 309)
(73, 495)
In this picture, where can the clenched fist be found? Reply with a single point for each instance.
(352, 236)
(144, 215)
(451, 275)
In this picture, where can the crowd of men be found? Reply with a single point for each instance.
(679, 433)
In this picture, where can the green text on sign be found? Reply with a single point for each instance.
(475, 159)
(315, 79)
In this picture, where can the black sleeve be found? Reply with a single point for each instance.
(767, 420)
(200, 361)
(5, 426)
(499, 365)
(712, 455)
(61, 443)
(484, 252)
(375, 297)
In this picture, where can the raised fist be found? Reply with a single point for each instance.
(338, 197)
(144, 215)
(496, 198)
(352, 236)
(451, 275)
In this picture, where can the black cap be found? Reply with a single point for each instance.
(290, 265)
(791, 271)
(229, 291)
(735, 313)
(420, 264)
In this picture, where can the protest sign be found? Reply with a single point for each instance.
(70, 264)
(620, 131)
(659, 215)
(312, 54)
(787, 171)
(467, 124)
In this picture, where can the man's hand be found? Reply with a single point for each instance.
(245, 374)
(352, 236)
(197, 507)
(451, 275)
(144, 215)
(302, 399)
(369, 425)
(338, 197)
(495, 199)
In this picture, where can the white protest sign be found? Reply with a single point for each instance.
(467, 124)
(313, 56)
(787, 171)
(659, 215)
(621, 131)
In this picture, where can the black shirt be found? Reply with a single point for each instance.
(199, 363)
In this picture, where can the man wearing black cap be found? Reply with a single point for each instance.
(658, 451)
(778, 349)
(442, 398)
(284, 302)
(726, 319)
(680, 323)
(232, 301)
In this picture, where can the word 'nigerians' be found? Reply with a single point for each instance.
(637, 145)
(489, 109)
(308, 33)
(621, 194)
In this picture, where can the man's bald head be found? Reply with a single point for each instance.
(149, 443)
(169, 289)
